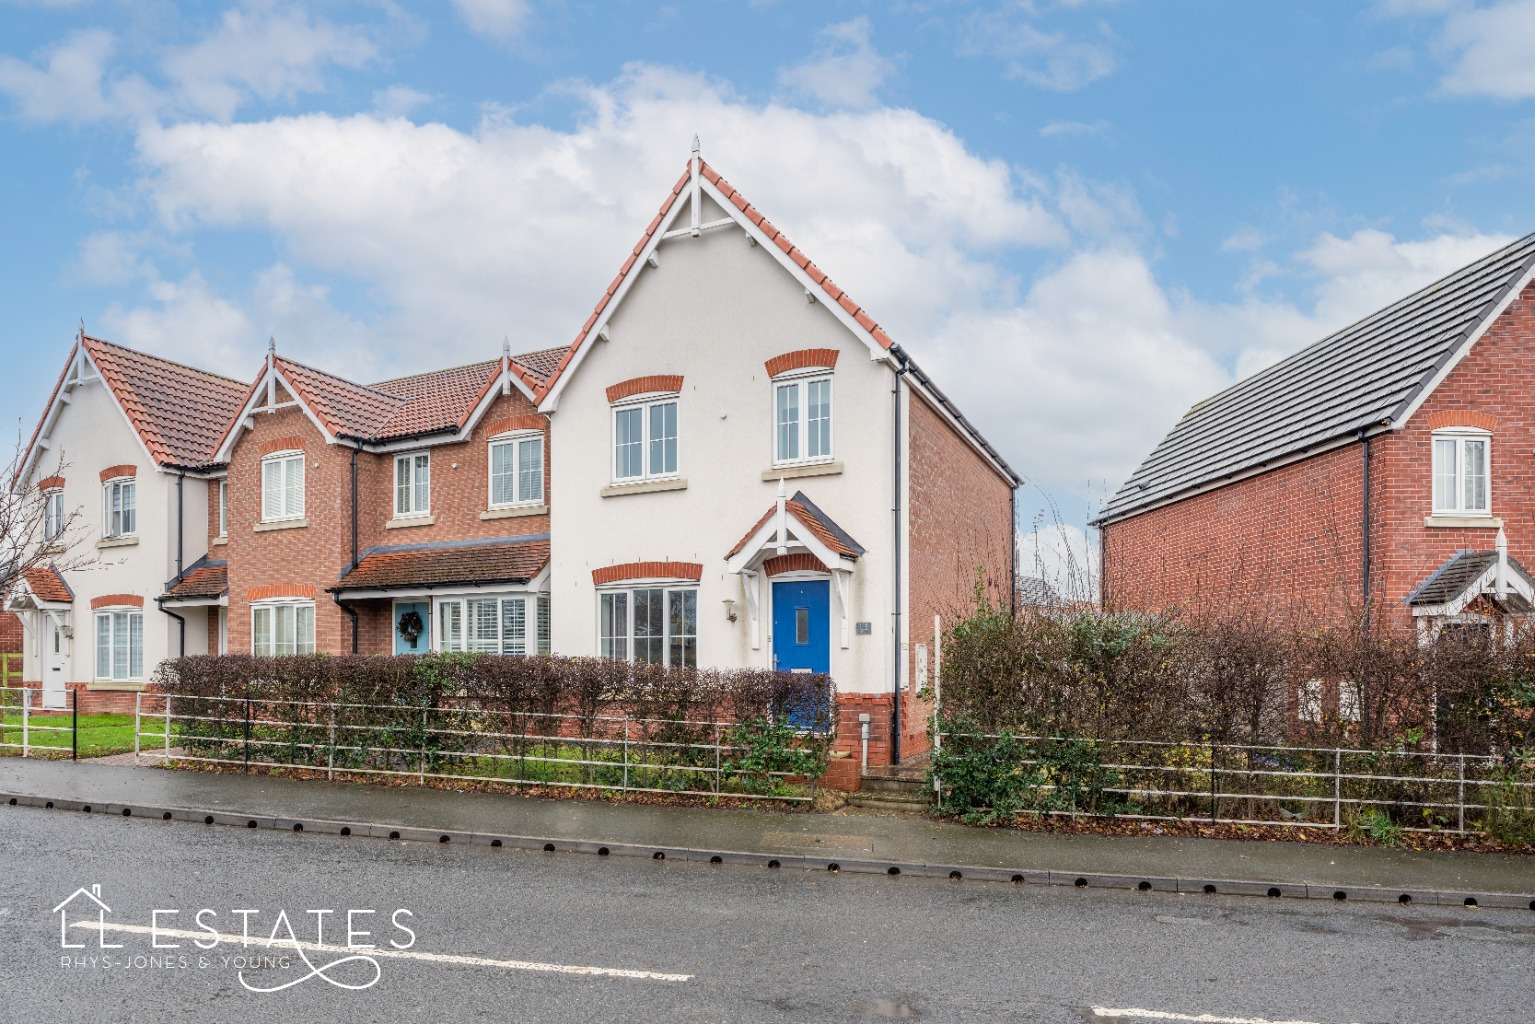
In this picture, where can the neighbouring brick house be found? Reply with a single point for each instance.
(1382, 476)
(749, 473)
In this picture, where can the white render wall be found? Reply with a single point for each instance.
(91, 434)
(714, 311)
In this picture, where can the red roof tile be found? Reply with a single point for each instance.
(800, 508)
(500, 560)
(208, 579)
(177, 410)
(47, 584)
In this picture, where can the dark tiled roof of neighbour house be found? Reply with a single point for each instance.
(47, 584)
(1362, 377)
(443, 563)
(204, 579)
(178, 411)
(817, 522)
(1459, 572)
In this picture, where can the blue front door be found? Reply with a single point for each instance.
(802, 626)
(420, 625)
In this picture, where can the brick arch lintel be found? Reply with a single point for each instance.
(802, 359)
(117, 601)
(117, 472)
(798, 562)
(1440, 419)
(281, 444)
(656, 383)
(50, 483)
(648, 571)
(507, 424)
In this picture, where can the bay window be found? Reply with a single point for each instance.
(120, 508)
(282, 487)
(517, 471)
(802, 420)
(494, 624)
(412, 484)
(1461, 463)
(120, 645)
(658, 625)
(280, 628)
(645, 440)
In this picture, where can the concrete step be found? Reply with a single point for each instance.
(887, 801)
(894, 784)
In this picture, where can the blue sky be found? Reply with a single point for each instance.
(1081, 216)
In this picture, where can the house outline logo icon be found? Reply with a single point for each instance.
(102, 910)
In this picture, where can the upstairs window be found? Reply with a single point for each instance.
(645, 440)
(53, 515)
(282, 628)
(517, 471)
(282, 487)
(223, 508)
(1461, 464)
(119, 516)
(802, 420)
(412, 484)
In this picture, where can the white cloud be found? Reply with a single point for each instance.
(1486, 48)
(1056, 60)
(844, 71)
(500, 20)
(72, 84)
(1370, 269)
(1074, 129)
(398, 101)
(1062, 556)
(188, 321)
(267, 52)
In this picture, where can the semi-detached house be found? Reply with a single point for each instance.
(732, 465)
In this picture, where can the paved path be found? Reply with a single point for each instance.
(503, 935)
(828, 836)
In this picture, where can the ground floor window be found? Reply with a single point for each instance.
(120, 645)
(494, 624)
(282, 628)
(658, 625)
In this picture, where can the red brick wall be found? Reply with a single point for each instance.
(316, 555)
(11, 635)
(1291, 539)
(960, 520)
(843, 772)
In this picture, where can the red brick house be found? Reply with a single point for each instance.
(1382, 475)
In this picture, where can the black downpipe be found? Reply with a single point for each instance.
(1365, 546)
(895, 509)
(1012, 536)
(180, 621)
(352, 612)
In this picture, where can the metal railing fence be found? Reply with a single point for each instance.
(1309, 787)
(23, 729)
(460, 741)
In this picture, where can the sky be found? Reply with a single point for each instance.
(1080, 216)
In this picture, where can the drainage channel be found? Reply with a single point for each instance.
(774, 861)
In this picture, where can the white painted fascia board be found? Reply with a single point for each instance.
(1444, 371)
(56, 408)
(257, 401)
(764, 537)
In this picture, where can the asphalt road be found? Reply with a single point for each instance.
(722, 943)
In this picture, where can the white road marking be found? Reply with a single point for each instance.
(396, 954)
(1202, 1018)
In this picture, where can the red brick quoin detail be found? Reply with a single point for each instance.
(804, 359)
(117, 601)
(792, 563)
(648, 571)
(50, 483)
(1441, 418)
(282, 444)
(277, 590)
(113, 472)
(645, 385)
(507, 424)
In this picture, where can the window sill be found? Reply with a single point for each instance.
(55, 549)
(644, 487)
(218, 541)
(281, 524)
(514, 513)
(117, 542)
(803, 469)
(1464, 522)
(112, 686)
(407, 522)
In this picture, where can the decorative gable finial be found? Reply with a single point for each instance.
(271, 345)
(81, 335)
(506, 365)
(696, 148)
(782, 545)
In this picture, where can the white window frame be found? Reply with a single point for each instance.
(535, 619)
(419, 465)
(223, 523)
(277, 609)
(514, 440)
(1459, 436)
(53, 514)
(645, 405)
(128, 525)
(801, 383)
(283, 458)
(1308, 702)
(116, 619)
(628, 590)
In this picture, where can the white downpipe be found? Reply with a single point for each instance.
(863, 728)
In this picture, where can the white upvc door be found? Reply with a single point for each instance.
(53, 664)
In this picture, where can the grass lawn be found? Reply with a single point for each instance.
(99, 734)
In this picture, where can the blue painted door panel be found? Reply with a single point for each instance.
(423, 642)
(802, 626)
